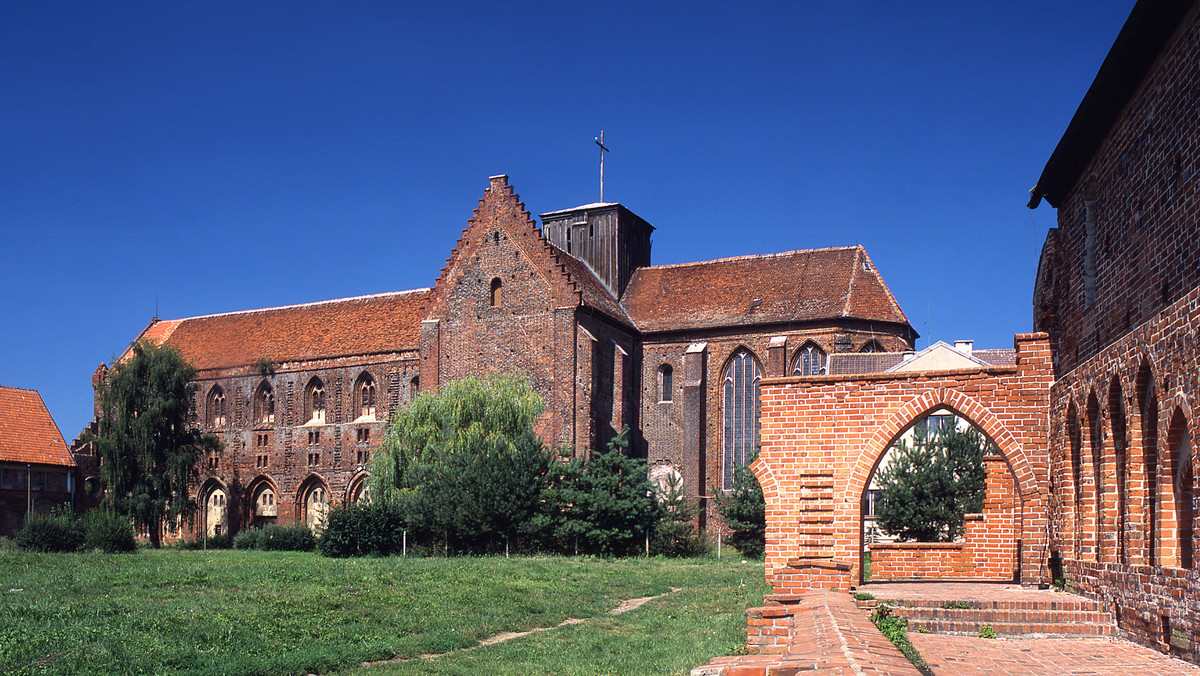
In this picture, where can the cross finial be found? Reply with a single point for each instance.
(603, 149)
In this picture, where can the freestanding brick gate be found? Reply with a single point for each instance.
(823, 437)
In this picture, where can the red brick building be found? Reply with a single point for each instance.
(301, 395)
(1118, 292)
(37, 472)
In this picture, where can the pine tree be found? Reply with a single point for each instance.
(745, 512)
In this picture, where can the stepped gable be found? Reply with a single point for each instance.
(381, 323)
(501, 210)
(795, 286)
(27, 431)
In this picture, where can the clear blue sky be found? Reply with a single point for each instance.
(212, 157)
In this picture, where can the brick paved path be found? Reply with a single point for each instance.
(969, 656)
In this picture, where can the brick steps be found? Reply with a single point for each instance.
(1066, 617)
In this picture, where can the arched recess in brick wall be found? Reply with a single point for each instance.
(359, 490)
(313, 503)
(1117, 441)
(214, 508)
(263, 498)
(1075, 442)
(1099, 498)
(1178, 493)
(1031, 541)
(1147, 405)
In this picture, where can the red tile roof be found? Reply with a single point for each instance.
(27, 432)
(595, 293)
(786, 287)
(386, 322)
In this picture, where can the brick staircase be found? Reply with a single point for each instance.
(1063, 616)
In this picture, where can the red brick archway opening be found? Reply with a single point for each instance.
(989, 544)
(823, 438)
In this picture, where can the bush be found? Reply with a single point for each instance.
(276, 538)
(109, 533)
(745, 513)
(58, 531)
(362, 530)
(221, 541)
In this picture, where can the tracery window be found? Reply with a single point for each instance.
(264, 404)
(872, 346)
(365, 391)
(811, 361)
(315, 395)
(216, 407)
(740, 411)
(666, 383)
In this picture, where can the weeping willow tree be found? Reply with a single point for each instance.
(464, 465)
(147, 443)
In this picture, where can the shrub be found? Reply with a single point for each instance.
(276, 538)
(221, 541)
(745, 512)
(58, 531)
(107, 532)
(362, 530)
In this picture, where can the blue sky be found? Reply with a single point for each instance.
(213, 157)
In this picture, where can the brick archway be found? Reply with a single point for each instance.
(823, 436)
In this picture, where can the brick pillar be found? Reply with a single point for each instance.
(695, 421)
(777, 358)
(431, 354)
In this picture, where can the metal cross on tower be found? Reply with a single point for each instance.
(603, 149)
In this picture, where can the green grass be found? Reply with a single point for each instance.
(250, 612)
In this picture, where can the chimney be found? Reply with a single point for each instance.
(964, 346)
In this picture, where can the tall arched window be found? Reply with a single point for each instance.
(740, 410)
(316, 506)
(216, 511)
(216, 407)
(666, 383)
(264, 404)
(414, 387)
(265, 509)
(364, 392)
(314, 396)
(496, 297)
(810, 361)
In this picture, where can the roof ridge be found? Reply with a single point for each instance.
(300, 305)
(780, 254)
(22, 389)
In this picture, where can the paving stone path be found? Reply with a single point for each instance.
(971, 656)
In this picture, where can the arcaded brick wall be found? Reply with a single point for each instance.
(988, 550)
(287, 450)
(822, 438)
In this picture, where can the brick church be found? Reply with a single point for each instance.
(301, 395)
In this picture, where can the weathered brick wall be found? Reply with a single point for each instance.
(822, 438)
(1135, 207)
(1119, 537)
(988, 550)
(287, 467)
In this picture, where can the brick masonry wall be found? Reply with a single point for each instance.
(988, 550)
(822, 438)
(238, 469)
(1141, 195)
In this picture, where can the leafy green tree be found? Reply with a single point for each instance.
(928, 488)
(147, 443)
(464, 465)
(745, 512)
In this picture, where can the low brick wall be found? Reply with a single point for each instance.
(801, 575)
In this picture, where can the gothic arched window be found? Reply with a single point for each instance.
(216, 407)
(314, 396)
(811, 361)
(264, 404)
(666, 383)
(496, 293)
(740, 411)
(364, 392)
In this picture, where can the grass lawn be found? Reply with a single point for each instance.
(246, 612)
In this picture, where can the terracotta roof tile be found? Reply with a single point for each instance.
(786, 287)
(997, 357)
(386, 322)
(850, 363)
(27, 432)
